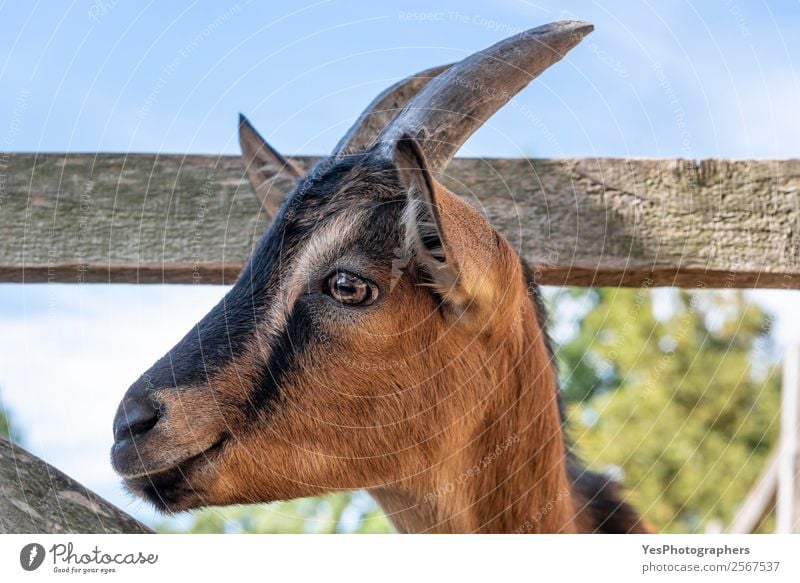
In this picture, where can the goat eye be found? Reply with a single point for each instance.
(352, 290)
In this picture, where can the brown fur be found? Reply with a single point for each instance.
(441, 400)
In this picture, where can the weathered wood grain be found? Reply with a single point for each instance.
(37, 498)
(193, 219)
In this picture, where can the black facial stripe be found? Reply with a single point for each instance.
(224, 331)
(297, 336)
(305, 325)
(331, 187)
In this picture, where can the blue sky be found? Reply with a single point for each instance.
(674, 78)
(171, 77)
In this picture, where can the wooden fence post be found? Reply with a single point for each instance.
(788, 507)
(759, 501)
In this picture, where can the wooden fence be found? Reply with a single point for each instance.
(144, 218)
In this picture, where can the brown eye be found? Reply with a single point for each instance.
(350, 289)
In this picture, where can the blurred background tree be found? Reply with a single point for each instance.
(345, 512)
(674, 392)
(8, 429)
(684, 401)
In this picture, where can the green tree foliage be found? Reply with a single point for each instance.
(344, 512)
(5, 426)
(684, 406)
(7, 429)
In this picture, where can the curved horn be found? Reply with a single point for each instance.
(455, 104)
(273, 176)
(383, 110)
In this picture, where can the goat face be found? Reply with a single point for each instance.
(323, 368)
(352, 351)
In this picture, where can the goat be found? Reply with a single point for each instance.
(383, 336)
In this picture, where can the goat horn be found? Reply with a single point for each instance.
(383, 109)
(273, 176)
(456, 103)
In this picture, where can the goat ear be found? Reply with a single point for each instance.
(271, 175)
(467, 262)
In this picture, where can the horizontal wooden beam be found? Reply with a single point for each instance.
(615, 222)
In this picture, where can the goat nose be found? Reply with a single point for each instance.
(135, 418)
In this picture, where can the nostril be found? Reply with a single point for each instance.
(135, 418)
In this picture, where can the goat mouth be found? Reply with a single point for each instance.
(168, 488)
(151, 455)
